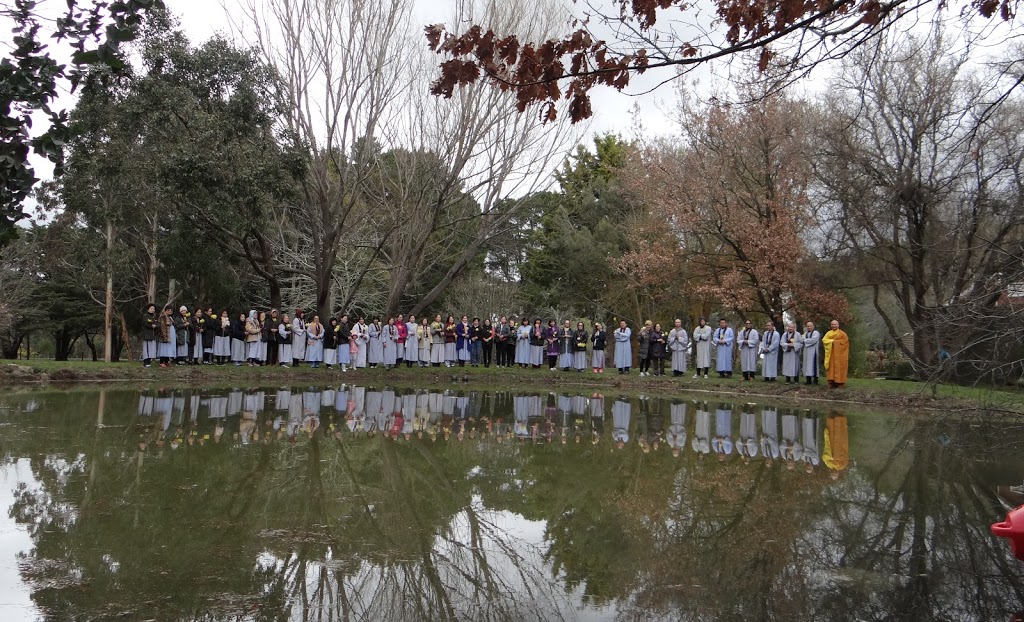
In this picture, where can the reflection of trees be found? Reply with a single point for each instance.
(370, 528)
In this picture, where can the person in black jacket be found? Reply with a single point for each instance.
(599, 339)
(150, 328)
(331, 343)
(209, 333)
(238, 339)
(271, 326)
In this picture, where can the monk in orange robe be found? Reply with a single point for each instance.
(837, 444)
(837, 355)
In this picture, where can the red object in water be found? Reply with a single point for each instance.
(1013, 530)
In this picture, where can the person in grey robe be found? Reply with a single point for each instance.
(811, 339)
(746, 447)
(437, 341)
(522, 336)
(676, 438)
(565, 345)
(791, 342)
(702, 432)
(702, 348)
(770, 353)
(375, 348)
(748, 341)
(314, 342)
(579, 347)
(723, 341)
(678, 344)
(600, 341)
(622, 411)
(770, 435)
(623, 348)
(389, 343)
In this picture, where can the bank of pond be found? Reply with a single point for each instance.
(374, 502)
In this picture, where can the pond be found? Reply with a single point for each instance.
(361, 503)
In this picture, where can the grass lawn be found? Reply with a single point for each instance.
(888, 393)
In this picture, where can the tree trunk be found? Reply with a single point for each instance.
(275, 294)
(108, 301)
(91, 344)
(63, 343)
(9, 348)
(153, 263)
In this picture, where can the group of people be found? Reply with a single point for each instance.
(798, 352)
(270, 338)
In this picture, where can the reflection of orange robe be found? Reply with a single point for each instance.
(837, 443)
(837, 355)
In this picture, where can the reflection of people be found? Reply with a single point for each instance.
(722, 443)
(809, 441)
(622, 410)
(747, 445)
(769, 435)
(790, 449)
(837, 355)
(837, 444)
(677, 429)
(702, 432)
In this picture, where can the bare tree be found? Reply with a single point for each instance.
(924, 179)
(394, 172)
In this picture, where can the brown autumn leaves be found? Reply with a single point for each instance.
(567, 69)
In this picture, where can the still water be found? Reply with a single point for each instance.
(358, 503)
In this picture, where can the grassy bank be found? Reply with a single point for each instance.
(888, 393)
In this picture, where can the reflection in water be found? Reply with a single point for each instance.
(358, 503)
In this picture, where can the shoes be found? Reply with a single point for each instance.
(705, 376)
(696, 375)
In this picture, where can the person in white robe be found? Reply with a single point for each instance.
(284, 341)
(721, 444)
(623, 347)
(702, 432)
(622, 411)
(746, 447)
(702, 348)
(412, 342)
(298, 338)
(749, 341)
(678, 345)
(723, 342)
(770, 435)
(676, 438)
(770, 352)
(361, 337)
(389, 342)
(790, 449)
(811, 339)
(375, 350)
(791, 342)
